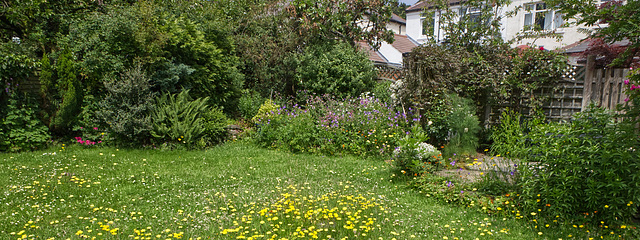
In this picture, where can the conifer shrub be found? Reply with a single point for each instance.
(126, 108)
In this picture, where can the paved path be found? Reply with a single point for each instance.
(475, 170)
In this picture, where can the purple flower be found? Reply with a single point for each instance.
(626, 82)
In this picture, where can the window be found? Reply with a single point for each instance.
(428, 23)
(473, 13)
(539, 17)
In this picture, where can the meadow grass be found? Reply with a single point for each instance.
(234, 191)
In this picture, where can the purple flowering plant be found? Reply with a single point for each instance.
(363, 126)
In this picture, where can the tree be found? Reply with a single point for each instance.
(398, 8)
(70, 89)
(475, 23)
(612, 21)
(348, 21)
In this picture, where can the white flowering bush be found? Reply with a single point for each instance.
(415, 157)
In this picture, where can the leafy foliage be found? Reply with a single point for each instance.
(175, 52)
(508, 136)
(178, 118)
(70, 89)
(470, 31)
(349, 21)
(587, 170)
(249, 103)
(415, 157)
(464, 128)
(126, 108)
(214, 122)
(20, 127)
(338, 70)
(266, 110)
(362, 126)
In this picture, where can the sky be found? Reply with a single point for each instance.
(409, 2)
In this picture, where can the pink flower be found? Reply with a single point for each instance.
(626, 82)
(634, 87)
(626, 99)
(541, 48)
(95, 128)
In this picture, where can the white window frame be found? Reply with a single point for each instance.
(423, 17)
(534, 12)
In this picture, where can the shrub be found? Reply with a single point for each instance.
(214, 123)
(587, 170)
(415, 157)
(361, 126)
(509, 137)
(70, 89)
(267, 109)
(464, 127)
(126, 108)
(335, 69)
(20, 128)
(178, 119)
(249, 103)
(89, 129)
(382, 91)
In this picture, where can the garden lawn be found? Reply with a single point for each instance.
(234, 191)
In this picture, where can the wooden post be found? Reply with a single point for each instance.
(606, 89)
(588, 81)
(615, 89)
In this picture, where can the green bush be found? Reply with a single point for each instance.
(508, 137)
(362, 126)
(464, 127)
(20, 128)
(214, 123)
(126, 108)
(175, 52)
(266, 110)
(382, 90)
(178, 118)
(335, 69)
(415, 157)
(89, 129)
(587, 170)
(70, 89)
(249, 103)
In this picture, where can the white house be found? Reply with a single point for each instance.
(423, 21)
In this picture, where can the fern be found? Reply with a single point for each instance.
(178, 118)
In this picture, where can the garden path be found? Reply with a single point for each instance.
(471, 172)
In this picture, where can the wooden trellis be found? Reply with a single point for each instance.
(389, 72)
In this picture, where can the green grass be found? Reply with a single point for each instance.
(233, 191)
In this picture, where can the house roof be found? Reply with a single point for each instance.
(421, 5)
(583, 45)
(398, 19)
(374, 56)
(404, 43)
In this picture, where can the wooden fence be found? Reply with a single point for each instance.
(605, 87)
(580, 86)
